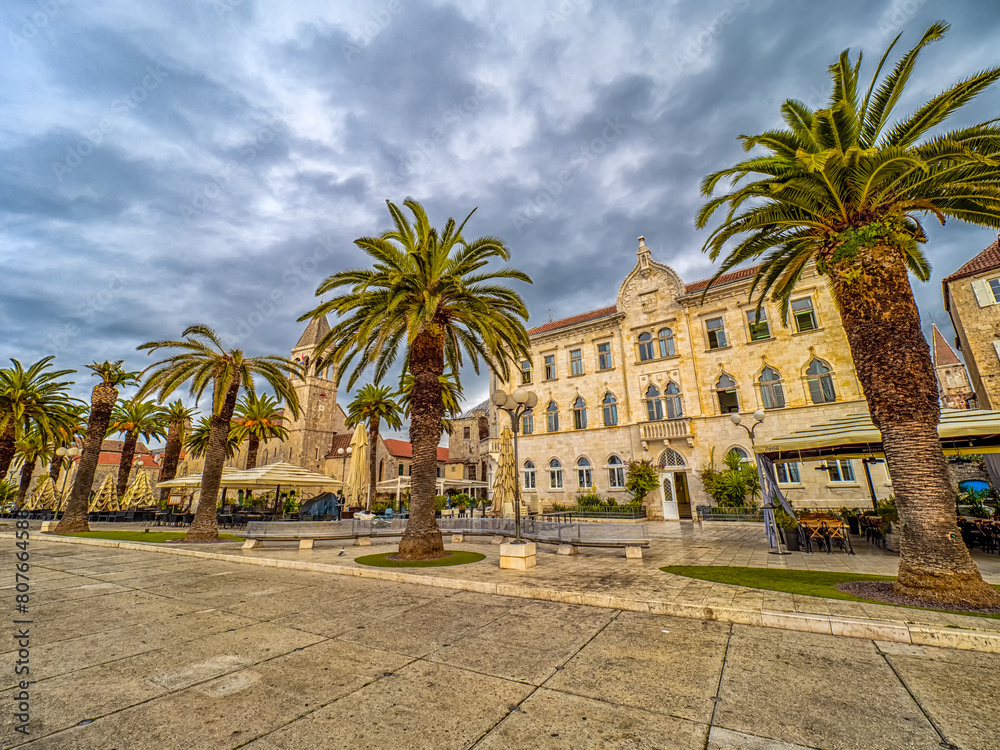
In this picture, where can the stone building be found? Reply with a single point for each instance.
(657, 376)
(972, 299)
(468, 443)
(953, 381)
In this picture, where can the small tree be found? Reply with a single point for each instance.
(640, 479)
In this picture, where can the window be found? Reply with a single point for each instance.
(610, 410)
(466, 432)
(666, 340)
(757, 321)
(840, 470)
(788, 473)
(472, 472)
(604, 361)
(716, 333)
(528, 423)
(616, 473)
(673, 400)
(552, 416)
(654, 406)
(555, 474)
(744, 456)
(529, 475)
(401, 469)
(995, 289)
(575, 362)
(585, 477)
(725, 388)
(550, 367)
(820, 383)
(645, 347)
(805, 318)
(579, 414)
(526, 372)
(771, 393)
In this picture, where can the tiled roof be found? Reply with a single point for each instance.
(942, 352)
(582, 318)
(404, 449)
(987, 260)
(726, 278)
(477, 411)
(343, 440)
(115, 459)
(115, 446)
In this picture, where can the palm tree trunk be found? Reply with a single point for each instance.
(102, 401)
(171, 457)
(422, 538)
(27, 470)
(205, 527)
(894, 367)
(372, 459)
(125, 463)
(7, 447)
(252, 448)
(55, 466)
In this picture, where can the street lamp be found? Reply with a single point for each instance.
(768, 507)
(866, 462)
(63, 453)
(758, 416)
(343, 469)
(515, 404)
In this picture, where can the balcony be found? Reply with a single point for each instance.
(666, 429)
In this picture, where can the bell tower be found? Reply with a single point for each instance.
(320, 418)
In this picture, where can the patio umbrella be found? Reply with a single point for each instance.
(193, 481)
(67, 488)
(138, 493)
(505, 482)
(105, 499)
(44, 496)
(356, 490)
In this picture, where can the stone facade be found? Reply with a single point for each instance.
(954, 389)
(972, 299)
(468, 444)
(657, 376)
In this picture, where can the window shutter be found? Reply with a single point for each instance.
(996, 347)
(984, 295)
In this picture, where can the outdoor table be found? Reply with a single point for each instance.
(826, 529)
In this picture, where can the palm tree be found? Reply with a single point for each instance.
(66, 436)
(372, 405)
(841, 186)
(32, 447)
(431, 296)
(133, 418)
(178, 417)
(205, 361)
(30, 397)
(258, 418)
(452, 395)
(199, 436)
(102, 401)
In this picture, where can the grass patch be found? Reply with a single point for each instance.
(455, 557)
(803, 582)
(141, 536)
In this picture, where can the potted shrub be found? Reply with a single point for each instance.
(851, 516)
(789, 529)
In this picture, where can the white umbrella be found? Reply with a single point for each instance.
(138, 493)
(44, 497)
(105, 499)
(67, 489)
(356, 491)
(505, 481)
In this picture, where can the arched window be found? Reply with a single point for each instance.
(654, 406)
(744, 456)
(616, 473)
(670, 458)
(584, 476)
(610, 410)
(725, 388)
(381, 469)
(552, 417)
(771, 393)
(265, 457)
(529, 475)
(645, 347)
(666, 339)
(528, 422)
(675, 410)
(820, 383)
(555, 474)
(579, 414)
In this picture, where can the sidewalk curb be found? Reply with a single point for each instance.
(897, 631)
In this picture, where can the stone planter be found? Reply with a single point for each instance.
(791, 540)
(892, 542)
(854, 525)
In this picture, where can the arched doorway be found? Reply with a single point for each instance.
(674, 486)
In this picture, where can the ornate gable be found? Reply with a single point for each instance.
(650, 285)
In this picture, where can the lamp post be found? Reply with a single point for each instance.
(343, 470)
(866, 462)
(63, 454)
(768, 507)
(515, 404)
(758, 416)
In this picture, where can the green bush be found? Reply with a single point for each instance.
(440, 502)
(734, 486)
(589, 500)
(641, 478)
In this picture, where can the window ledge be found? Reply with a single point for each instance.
(761, 341)
(719, 348)
(843, 485)
(792, 485)
(811, 330)
(578, 375)
(605, 369)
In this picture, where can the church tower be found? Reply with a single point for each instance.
(953, 381)
(321, 417)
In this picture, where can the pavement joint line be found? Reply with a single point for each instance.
(718, 688)
(962, 638)
(944, 740)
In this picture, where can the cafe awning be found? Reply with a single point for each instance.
(962, 431)
(193, 481)
(281, 474)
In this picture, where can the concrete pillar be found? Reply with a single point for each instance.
(306, 543)
(515, 556)
(633, 552)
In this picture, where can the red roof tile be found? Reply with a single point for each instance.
(582, 318)
(987, 260)
(115, 446)
(343, 440)
(404, 449)
(726, 278)
(942, 351)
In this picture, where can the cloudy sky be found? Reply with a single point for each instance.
(171, 162)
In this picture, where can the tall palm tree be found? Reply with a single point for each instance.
(842, 187)
(371, 406)
(258, 418)
(205, 361)
(32, 447)
(452, 395)
(178, 419)
(199, 439)
(134, 418)
(30, 397)
(102, 401)
(67, 435)
(431, 296)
